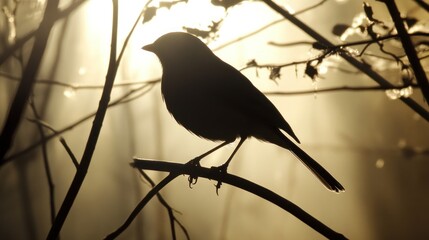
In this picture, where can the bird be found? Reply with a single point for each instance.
(215, 101)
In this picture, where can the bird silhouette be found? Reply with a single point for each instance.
(213, 100)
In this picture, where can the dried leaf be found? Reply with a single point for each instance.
(339, 29)
(311, 71)
(225, 3)
(275, 73)
(149, 14)
(319, 46)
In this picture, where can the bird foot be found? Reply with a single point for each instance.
(222, 169)
(192, 179)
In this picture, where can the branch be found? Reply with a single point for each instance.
(422, 4)
(123, 99)
(353, 61)
(141, 205)
(408, 46)
(93, 136)
(170, 210)
(336, 89)
(62, 140)
(46, 165)
(176, 169)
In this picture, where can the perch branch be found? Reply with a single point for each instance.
(176, 169)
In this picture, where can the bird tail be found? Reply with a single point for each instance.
(324, 176)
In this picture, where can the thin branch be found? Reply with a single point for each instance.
(123, 99)
(408, 46)
(94, 134)
(155, 190)
(337, 89)
(69, 152)
(349, 44)
(353, 61)
(422, 4)
(170, 210)
(77, 86)
(176, 169)
(62, 140)
(46, 165)
(267, 26)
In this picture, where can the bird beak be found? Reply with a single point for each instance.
(148, 47)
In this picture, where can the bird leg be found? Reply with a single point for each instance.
(196, 162)
(223, 168)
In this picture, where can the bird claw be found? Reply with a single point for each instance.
(192, 179)
(222, 169)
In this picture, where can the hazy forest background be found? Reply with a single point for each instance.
(349, 76)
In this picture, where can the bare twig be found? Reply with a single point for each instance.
(123, 99)
(48, 173)
(267, 26)
(422, 4)
(62, 140)
(170, 210)
(155, 190)
(337, 89)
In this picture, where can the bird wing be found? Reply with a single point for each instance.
(242, 95)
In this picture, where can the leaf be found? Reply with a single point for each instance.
(225, 3)
(410, 21)
(275, 73)
(149, 14)
(339, 29)
(311, 71)
(252, 63)
(368, 11)
(319, 46)
(198, 32)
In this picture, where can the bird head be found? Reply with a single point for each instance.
(179, 48)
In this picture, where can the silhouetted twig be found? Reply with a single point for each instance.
(62, 140)
(130, 95)
(48, 173)
(141, 205)
(176, 169)
(170, 210)
(267, 26)
(422, 4)
(337, 89)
